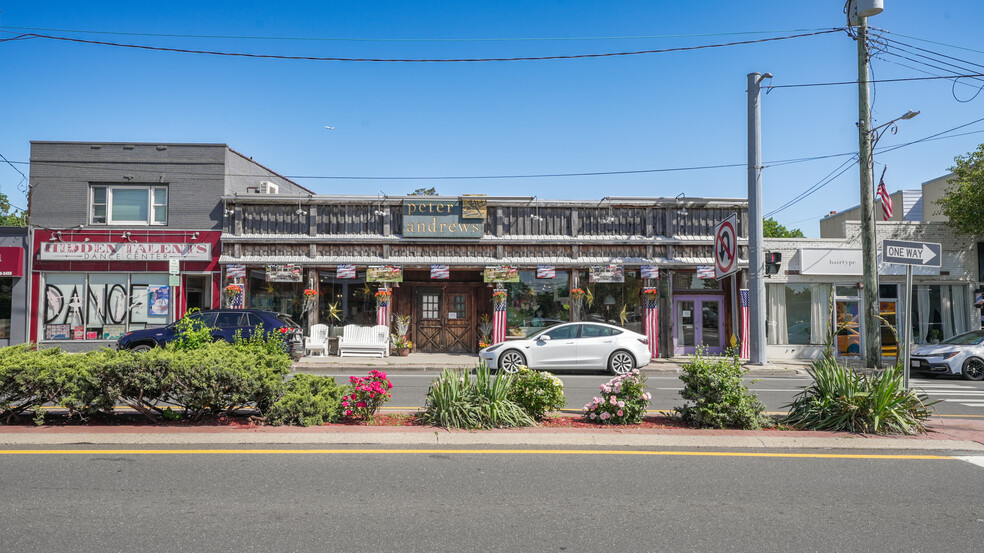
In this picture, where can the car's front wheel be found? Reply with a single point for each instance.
(973, 369)
(621, 362)
(510, 361)
(142, 348)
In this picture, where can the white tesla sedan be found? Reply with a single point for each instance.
(961, 354)
(594, 346)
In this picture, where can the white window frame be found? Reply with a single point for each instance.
(150, 189)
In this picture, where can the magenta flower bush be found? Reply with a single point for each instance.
(366, 395)
(624, 400)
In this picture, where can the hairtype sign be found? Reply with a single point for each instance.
(436, 218)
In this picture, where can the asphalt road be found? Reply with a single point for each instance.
(956, 397)
(493, 500)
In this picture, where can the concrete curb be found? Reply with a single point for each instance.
(388, 436)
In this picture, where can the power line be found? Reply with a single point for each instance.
(901, 80)
(343, 39)
(927, 41)
(830, 177)
(416, 60)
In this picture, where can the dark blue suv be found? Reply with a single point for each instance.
(224, 324)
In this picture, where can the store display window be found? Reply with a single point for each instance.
(103, 306)
(535, 303)
(615, 303)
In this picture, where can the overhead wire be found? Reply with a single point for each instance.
(418, 60)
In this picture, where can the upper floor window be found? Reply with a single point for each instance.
(128, 205)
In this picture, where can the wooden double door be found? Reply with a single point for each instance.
(444, 319)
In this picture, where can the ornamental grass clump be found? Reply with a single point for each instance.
(716, 396)
(842, 400)
(457, 400)
(537, 392)
(366, 395)
(624, 400)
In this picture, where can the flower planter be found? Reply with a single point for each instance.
(403, 352)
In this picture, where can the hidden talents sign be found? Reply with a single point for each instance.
(441, 219)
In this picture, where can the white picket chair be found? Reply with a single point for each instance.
(317, 341)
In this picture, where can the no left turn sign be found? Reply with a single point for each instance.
(726, 247)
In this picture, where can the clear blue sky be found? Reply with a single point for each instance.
(620, 113)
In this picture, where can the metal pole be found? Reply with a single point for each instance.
(908, 326)
(869, 295)
(756, 253)
(734, 305)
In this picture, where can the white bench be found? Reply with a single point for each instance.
(364, 341)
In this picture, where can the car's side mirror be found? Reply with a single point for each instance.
(544, 338)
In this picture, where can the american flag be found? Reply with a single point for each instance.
(237, 300)
(499, 322)
(345, 271)
(650, 271)
(235, 271)
(746, 348)
(440, 272)
(652, 326)
(383, 314)
(886, 199)
(546, 271)
(705, 272)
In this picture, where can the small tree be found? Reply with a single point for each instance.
(10, 216)
(772, 229)
(963, 203)
(424, 192)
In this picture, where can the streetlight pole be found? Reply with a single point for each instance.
(756, 251)
(869, 255)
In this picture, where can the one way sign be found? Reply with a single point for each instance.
(923, 254)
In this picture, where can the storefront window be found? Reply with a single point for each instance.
(6, 297)
(797, 313)
(280, 297)
(939, 312)
(690, 282)
(615, 303)
(351, 299)
(103, 306)
(537, 302)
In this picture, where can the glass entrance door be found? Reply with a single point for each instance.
(847, 328)
(698, 321)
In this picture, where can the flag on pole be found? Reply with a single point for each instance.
(652, 326)
(746, 348)
(499, 317)
(886, 199)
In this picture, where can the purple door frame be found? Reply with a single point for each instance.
(698, 323)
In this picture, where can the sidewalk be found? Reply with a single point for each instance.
(436, 362)
(957, 435)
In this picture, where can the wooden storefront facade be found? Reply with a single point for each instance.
(319, 233)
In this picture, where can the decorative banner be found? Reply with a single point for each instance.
(606, 273)
(746, 347)
(705, 272)
(501, 273)
(499, 298)
(284, 273)
(650, 271)
(112, 332)
(345, 271)
(384, 273)
(235, 271)
(384, 298)
(440, 272)
(652, 320)
(157, 300)
(546, 271)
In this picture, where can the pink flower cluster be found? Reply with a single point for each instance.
(368, 394)
(623, 400)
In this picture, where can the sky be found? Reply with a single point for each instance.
(637, 117)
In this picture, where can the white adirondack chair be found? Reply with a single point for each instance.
(317, 342)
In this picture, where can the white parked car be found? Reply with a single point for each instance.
(594, 346)
(962, 354)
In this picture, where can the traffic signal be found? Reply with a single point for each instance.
(772, 262)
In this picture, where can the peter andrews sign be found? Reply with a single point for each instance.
(920, 254)
(431, 218)
(125, 251)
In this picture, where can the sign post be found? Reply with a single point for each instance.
(174, 282)
(726, 260)
(922, 254)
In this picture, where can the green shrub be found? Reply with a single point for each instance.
(30, 378)
(624, 400)
(191, 332)
(537, 392)
(307, 400)
(455, 400)
(716, 395)
(842, 400)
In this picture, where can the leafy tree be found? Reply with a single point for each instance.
(963, 203)
(424, 192)
(10, 216)
(772, 229)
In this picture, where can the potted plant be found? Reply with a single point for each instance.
(383, 297)
(402, 344)
(934, 336)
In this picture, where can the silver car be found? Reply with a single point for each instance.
(962, 354)
(595, 346)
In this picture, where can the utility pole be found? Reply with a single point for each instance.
(869, 252)
(756, 252)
